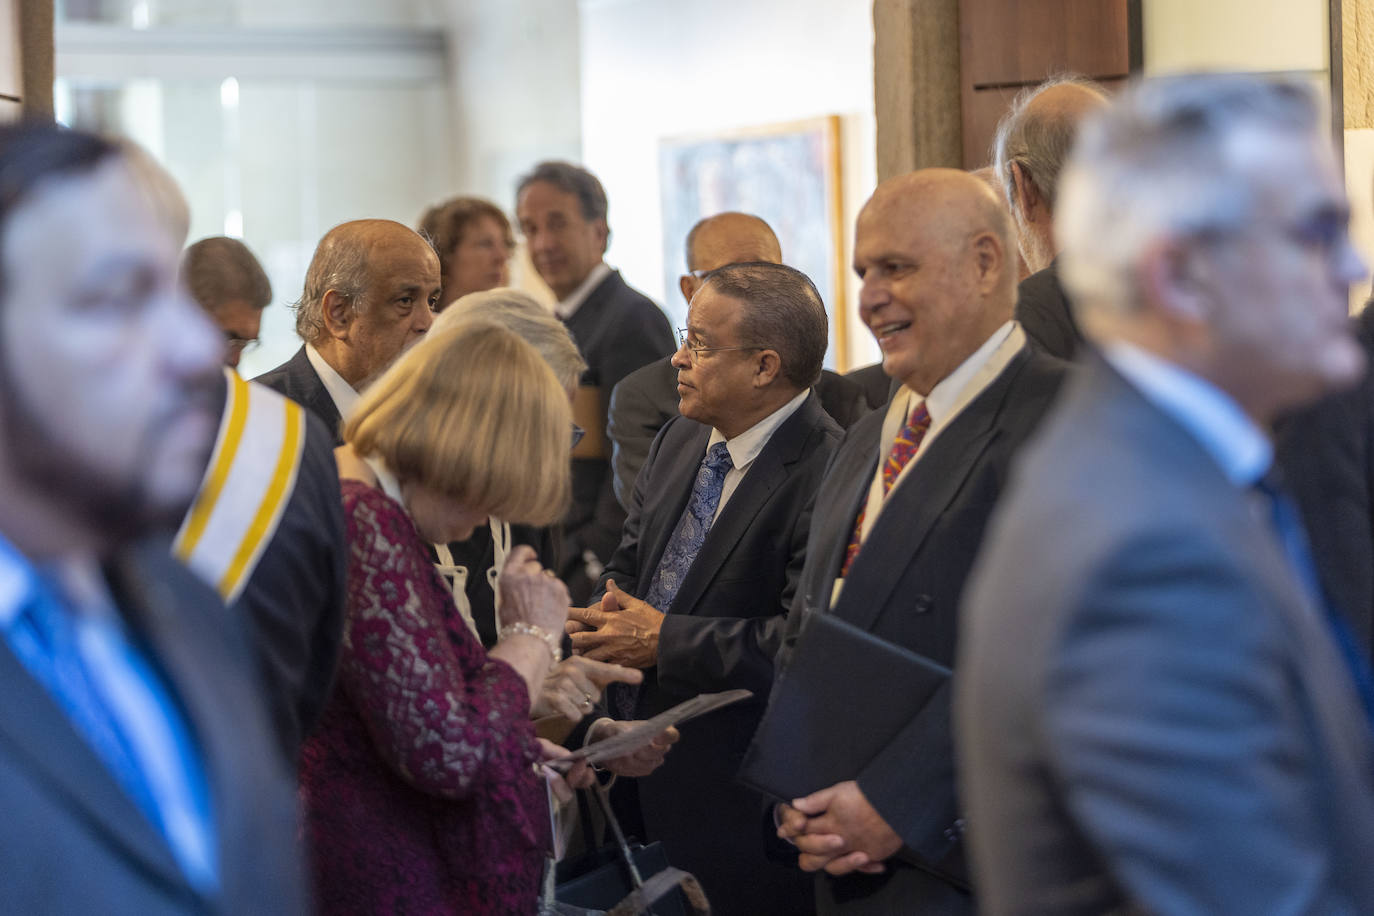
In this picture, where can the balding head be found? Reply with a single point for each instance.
(1033, 142)
(368, 295)
(726, 238)
(934, 250)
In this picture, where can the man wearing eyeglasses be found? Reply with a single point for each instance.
(647, 398)
(1169, 715)
(697, 591)
(229, 283)
(266, 530)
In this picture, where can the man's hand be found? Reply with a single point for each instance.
(627, 635)
(573, 686)
(838, 830)
(643, 761)
(575, 614)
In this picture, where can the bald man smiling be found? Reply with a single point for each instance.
(898, 521)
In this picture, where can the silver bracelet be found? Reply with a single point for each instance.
(521, 628)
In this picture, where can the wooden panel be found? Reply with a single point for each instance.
(1007, 45)
(1012, 41)
(10, 45)
(983, 109)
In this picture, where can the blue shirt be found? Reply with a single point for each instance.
(135, 696)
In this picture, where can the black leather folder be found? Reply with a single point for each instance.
(843, 697)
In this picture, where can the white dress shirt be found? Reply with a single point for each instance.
(1209, 414)
(340, 392)
(566, 308)
(746, 447)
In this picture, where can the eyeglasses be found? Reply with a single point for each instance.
(696, 350)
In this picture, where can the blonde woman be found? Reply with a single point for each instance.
(419, 788)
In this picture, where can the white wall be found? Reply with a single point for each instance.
(663, 68)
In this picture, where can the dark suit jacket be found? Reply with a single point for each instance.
(647, 398)
(295, 596)
(722, 632)
(617, 330)
(1043, 311)
(1327, 456)
(1152, 716)
(299, 381)
(72, 841)
(904, 586)
(878, 386)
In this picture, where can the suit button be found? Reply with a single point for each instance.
(921, 604)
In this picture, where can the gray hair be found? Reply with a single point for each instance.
(340, 264)
(521, 313)
(783, 312)
(570, 179)
(1166, 160)
(1038, 142)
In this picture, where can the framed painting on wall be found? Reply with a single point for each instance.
(786, 174)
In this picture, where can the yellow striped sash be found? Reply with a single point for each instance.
(246, 488)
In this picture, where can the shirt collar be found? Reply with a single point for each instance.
(745, 447)
(77, 576)
(340, 392)
(953, 392)
(17, 582)
(945, 399)
(566, 308)
(1209, 415)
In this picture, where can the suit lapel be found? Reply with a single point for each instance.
(765, 475)
(315, 397)
(173, 640)
(920, 498)
(684, 459)
(845, 489)
(43, 738)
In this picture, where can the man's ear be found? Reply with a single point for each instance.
(990, 260)
(338, 314)
(1025, 196)
(687, 284)
(1176, 281)
(767, 368)
(603, 233)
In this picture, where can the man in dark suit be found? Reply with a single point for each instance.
(1157, 712)
(277, 551)
(697, 591)
(1033, 139)
(369, 293)
(1327, 455)
(561, 209)
(137, 768)
(899, 519)
(647, 398)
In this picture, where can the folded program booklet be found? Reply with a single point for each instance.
(844, 695)
(632, 739)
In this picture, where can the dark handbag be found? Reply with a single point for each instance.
(624, 879)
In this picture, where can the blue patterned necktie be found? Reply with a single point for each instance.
(681, 551)
(691, 529)
(1288, 525)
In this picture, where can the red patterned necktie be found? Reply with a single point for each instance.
(903, 449)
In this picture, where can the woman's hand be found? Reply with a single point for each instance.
(530, 594)
(579, 776)
(574, 685)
